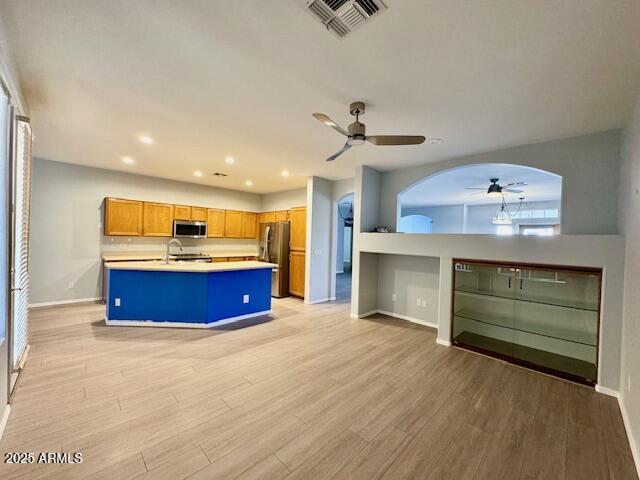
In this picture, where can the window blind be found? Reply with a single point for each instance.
(22, 202)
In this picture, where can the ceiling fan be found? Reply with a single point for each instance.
(497, 190)
(355, 132)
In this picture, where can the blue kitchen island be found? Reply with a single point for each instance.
(186, 294)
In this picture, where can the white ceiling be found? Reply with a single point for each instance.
(448, 188)
(207, 79)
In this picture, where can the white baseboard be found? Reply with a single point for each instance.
(320, 300)
(363, 315)
(627, 426)
(409, 319)
(65, 302)
(446, 343)
(4, 419)
(153, 323)
(607, 391)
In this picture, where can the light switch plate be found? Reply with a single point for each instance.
(117, 302)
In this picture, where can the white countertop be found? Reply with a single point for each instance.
(133, 256)
(189, 266)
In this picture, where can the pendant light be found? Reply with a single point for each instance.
(502, 217)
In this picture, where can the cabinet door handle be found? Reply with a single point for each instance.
(520, 284)
(509, 282)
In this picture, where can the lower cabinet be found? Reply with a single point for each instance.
(296, 272)
(542, 317)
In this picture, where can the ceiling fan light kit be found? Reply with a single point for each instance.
(356, 132)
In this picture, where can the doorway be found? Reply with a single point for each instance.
(344, 248)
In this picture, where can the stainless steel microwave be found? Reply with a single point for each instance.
(186, 229)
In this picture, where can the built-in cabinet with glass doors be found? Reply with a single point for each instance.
(543, 317)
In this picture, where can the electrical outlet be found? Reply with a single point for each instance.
(245, 298)
(418, 302)
(72, 285)
(393, 297)
(424, 303)
(117, 302)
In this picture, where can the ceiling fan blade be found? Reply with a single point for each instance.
(330, 123)
(337, 154)
(475, 188)
(512, 190)
(396, 139)
(515, 183)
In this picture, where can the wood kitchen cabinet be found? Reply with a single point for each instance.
(157, 219)
(296, 273)
(122, 217)
(219, 259)
(198, 214)
(216, 220)
(181, 212)
(233, 224)
(298, 235)
(249, 225)
(281, 216)
(235, 259)
(270, 216)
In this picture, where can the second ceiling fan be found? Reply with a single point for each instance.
(355, 132)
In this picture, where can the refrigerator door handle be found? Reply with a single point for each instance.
(265, 253)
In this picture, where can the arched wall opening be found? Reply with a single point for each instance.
(488, 198)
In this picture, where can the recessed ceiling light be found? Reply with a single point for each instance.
(229, 160)
(128, 160)
(146, 139)
(248, 183)
(435, 140)
(197, 173)
(285, 173)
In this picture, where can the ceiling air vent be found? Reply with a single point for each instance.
(344, 16)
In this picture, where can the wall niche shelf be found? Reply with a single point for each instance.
(544, 317)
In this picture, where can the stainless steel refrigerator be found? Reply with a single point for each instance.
(274, 248)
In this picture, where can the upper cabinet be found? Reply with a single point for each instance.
(122, 217)
(157, 219)
(249, 225)
(215, 222)
(181, 212)
(233, 224)
(281, 216)
(198, 214)
(152, 219)
(298, 235)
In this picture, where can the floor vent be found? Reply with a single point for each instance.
(343, 16)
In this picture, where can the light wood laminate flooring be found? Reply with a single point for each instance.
(308, 393)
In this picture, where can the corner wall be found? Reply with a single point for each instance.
(319, 251)
(629, 219)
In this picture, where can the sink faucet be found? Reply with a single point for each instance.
(169, 243)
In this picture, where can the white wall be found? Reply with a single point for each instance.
(319, 228)
(284, 200)
(630, 228)
(66, 223)
(589, 166)
(411, 279)
(446, 218)
(478, 218)
(365, 218)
